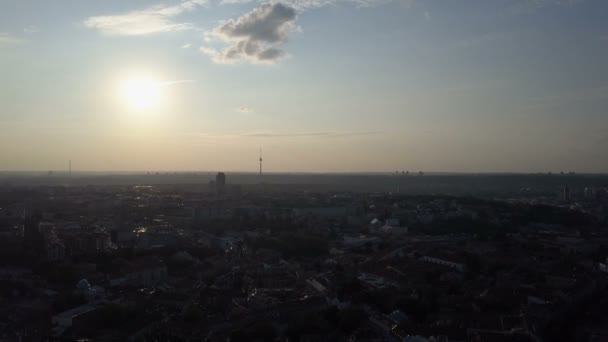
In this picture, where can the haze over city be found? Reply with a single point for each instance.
(329, 85)
(304, 170)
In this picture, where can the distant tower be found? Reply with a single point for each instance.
(260, 161)
(70, 167)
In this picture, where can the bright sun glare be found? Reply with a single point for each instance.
(141, 93)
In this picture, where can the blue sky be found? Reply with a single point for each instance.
(320, 85)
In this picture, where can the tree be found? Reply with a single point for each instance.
(259, 331)
(193, 314)
(350, 319)
(473, 263)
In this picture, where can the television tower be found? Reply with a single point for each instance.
(260, 161)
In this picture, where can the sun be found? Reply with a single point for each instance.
(141, 93)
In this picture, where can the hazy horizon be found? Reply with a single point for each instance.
(412, 174)
(323, 86)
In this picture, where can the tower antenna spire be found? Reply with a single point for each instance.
(260, 161)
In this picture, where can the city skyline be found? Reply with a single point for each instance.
(322, 86)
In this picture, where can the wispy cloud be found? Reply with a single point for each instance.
(244, 109)
(309, 134)
(306, 5)
(254, 37)
(186, 46)
(213, 139)
(31, 29)
(370, 3)
(8, 39)
(234, 2)
(154, 19)
(170, 83)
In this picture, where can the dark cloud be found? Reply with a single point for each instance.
(255, 36)
(267, 23)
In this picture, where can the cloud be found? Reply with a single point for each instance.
(234, 2)
(371, 3)
(31, 29)
(204, 139)
(154, 19)
(170, 83)
(7, 39)
(186, 46)
(306, 5)
(244, 109)
(308, 134)
(254, 37)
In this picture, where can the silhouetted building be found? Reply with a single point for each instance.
(566, 194)
(589, 193)
(220, 183)
(31, 230)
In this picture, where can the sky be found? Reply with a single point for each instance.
(318, 85)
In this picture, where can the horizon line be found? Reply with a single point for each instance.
(387, 173)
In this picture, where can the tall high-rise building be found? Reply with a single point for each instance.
(220, 183)
(566, 194)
